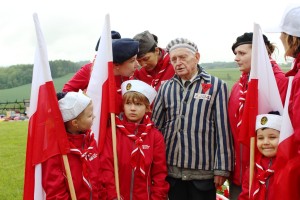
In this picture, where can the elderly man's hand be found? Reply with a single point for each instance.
(219, 180)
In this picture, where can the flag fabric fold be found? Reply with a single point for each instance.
(46, 132)
(102, 86)
(287, 174)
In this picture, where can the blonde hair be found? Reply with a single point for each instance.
(293, 43)
(136, 97)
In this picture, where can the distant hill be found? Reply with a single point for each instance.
(23, 92)
(18, 75)
(225, 71)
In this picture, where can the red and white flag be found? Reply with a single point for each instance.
(285, 151)
(262, 94)
(102, 86)
(46, 132)
(286, 177)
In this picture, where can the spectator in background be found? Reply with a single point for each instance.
(191, 112)
(154, 61)
(242, 48)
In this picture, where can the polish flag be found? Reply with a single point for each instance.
(102, 86)
(287, 176)
(46, 132)
(262, 94)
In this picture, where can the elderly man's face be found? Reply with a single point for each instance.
(184, 62)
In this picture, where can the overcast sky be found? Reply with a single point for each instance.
(72, 27)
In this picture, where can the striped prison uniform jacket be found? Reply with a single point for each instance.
(195, 124)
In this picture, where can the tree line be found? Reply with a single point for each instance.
(17, 75)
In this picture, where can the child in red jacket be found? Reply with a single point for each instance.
(77, 113)
(140, 149)
(267, 129)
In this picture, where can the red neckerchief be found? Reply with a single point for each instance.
(260, 187)
(243, 85)
(87, 154)
(296, 67)
(137, 155)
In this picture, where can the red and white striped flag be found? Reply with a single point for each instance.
(262, 94)
(102, 86)
(46, 132)
(286, 177)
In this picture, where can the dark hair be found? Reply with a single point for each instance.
(274, 113)
(155, 45)
(60, 95)
(293, 45)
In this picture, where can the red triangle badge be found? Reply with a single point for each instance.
(205, 87)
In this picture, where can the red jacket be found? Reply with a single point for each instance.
(54, 179)
(132, 183)
(242, 152)
(270, 193)
(81, 79)
(162, 72)
(294, 103)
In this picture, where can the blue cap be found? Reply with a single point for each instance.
(123, 49)
(114, 35)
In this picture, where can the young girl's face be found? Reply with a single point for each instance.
(243, 57)
(85, 119)
(134, 110)
(267, 141)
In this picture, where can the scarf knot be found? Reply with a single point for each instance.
(87, 154)
(262, 177)
(137, 159)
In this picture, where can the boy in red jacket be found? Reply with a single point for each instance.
(140, 148)
(77, 113)
(267, 129)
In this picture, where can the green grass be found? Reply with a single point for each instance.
(229, 75)
(23, 92)
(13, 137)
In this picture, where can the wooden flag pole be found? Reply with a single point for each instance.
(251, 165)
(69, 177)
(115, 154)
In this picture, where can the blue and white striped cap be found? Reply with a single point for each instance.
(181, 43)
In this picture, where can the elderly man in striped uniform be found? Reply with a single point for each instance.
(191, 112)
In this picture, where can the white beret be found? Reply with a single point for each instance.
(139, 86)
(73, 104)
(268, 121)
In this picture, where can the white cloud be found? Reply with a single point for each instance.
(72, 28)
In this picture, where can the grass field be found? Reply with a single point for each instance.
(230, 75)
(13, 137)
(23, 92)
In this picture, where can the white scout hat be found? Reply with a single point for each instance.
(268, 121)
(73, 104)
(139, 86)
(290, 22)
